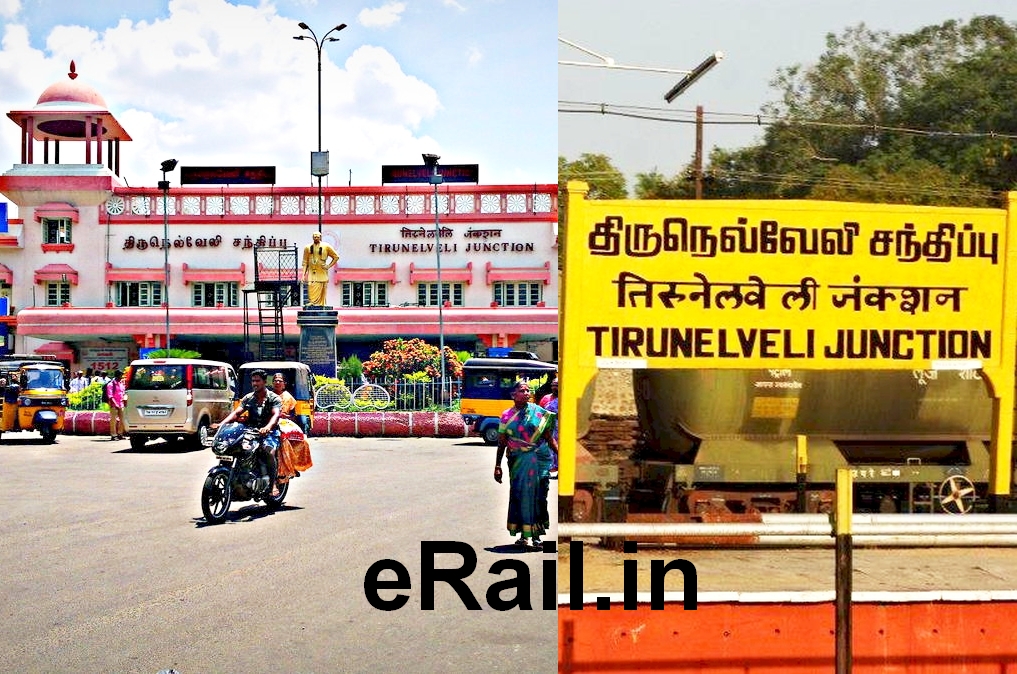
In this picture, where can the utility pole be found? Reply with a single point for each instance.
(698, 165)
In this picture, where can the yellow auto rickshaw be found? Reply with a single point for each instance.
(299, 383)
(34, 397)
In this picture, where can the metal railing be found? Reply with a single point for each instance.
(386, 395)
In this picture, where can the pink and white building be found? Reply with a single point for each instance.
(82, 267)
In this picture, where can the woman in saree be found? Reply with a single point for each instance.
(526, 437)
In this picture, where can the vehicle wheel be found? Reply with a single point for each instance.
(491, 435)
(201, 438)
(274, 503)
(215, 497)
(957, 495)
(137, 442)
(48, 434)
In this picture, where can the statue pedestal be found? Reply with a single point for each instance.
(317, 339)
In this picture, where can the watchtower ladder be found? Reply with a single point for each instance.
(276, 285)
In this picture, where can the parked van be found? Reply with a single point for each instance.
(177, 397)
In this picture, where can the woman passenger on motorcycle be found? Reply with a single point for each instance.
(289, 403)
(263, 408)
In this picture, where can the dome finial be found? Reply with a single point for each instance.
(72, 74)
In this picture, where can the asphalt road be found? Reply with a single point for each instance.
(108, 566)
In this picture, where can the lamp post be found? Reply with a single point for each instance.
(167, 166)
(431, 161)
(319, 160)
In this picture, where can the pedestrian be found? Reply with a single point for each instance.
(550, 403)
(79, 382)
(115, 392)
(551, 395)
(524, 435)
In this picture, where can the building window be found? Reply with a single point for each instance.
(366, 294)
(427, 294)
(214, 294)
(518, 294)
(57, 293)
(56, 230)
(137, 293)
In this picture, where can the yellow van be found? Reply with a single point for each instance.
(177, 397)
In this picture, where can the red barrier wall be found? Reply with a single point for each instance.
(346, 424)
(774, 637)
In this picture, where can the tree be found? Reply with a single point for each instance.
(654, 185)
(878, 113)
(604, 179)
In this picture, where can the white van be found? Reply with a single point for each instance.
(177, 397)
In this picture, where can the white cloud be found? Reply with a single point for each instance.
(382, 17)
(9, 8)
(454, 4)
(474, 55)
(215, 83)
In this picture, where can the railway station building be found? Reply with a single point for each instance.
(83, 267)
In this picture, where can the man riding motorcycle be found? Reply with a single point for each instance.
(262, 408)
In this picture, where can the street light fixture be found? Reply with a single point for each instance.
(693, 76)
(167, 166)
(319, 159)
(431, 161)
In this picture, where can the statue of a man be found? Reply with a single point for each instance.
(318, 259)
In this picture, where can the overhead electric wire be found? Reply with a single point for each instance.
(657, 114)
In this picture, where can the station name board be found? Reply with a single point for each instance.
(227, 175)
(450, 173)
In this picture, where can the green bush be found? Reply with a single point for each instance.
(87, 399)
(350, 369)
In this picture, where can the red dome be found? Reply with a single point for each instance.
(71, 92)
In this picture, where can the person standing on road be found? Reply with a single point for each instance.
(550, 403)
(78, 383)
(525, 437)
(115, 392)
(551, 395)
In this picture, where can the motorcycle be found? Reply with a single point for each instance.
(240, 475)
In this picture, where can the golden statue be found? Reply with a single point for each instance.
(318, 259)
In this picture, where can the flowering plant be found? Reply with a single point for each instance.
(401, 357)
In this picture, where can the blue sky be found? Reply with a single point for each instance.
(756, 37)
(211, 82)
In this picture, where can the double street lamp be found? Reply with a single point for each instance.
(167, 166)
(319, 159)
(431, 161)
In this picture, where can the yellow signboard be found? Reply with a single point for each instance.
(782, 284)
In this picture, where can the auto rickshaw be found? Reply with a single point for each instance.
(299, 383)
(34, 397)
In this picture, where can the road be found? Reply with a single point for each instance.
(108, 565)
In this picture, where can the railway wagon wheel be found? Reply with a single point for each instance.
(957, 495)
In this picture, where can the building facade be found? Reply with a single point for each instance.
(83, 268)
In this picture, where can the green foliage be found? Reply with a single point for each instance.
(916, 118)
(174, 353)
(604, 179)
(400, 357)
(350, 369)
(463, 356)
(654, 185)
(87, 399)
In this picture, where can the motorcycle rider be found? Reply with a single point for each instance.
(263, 408)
